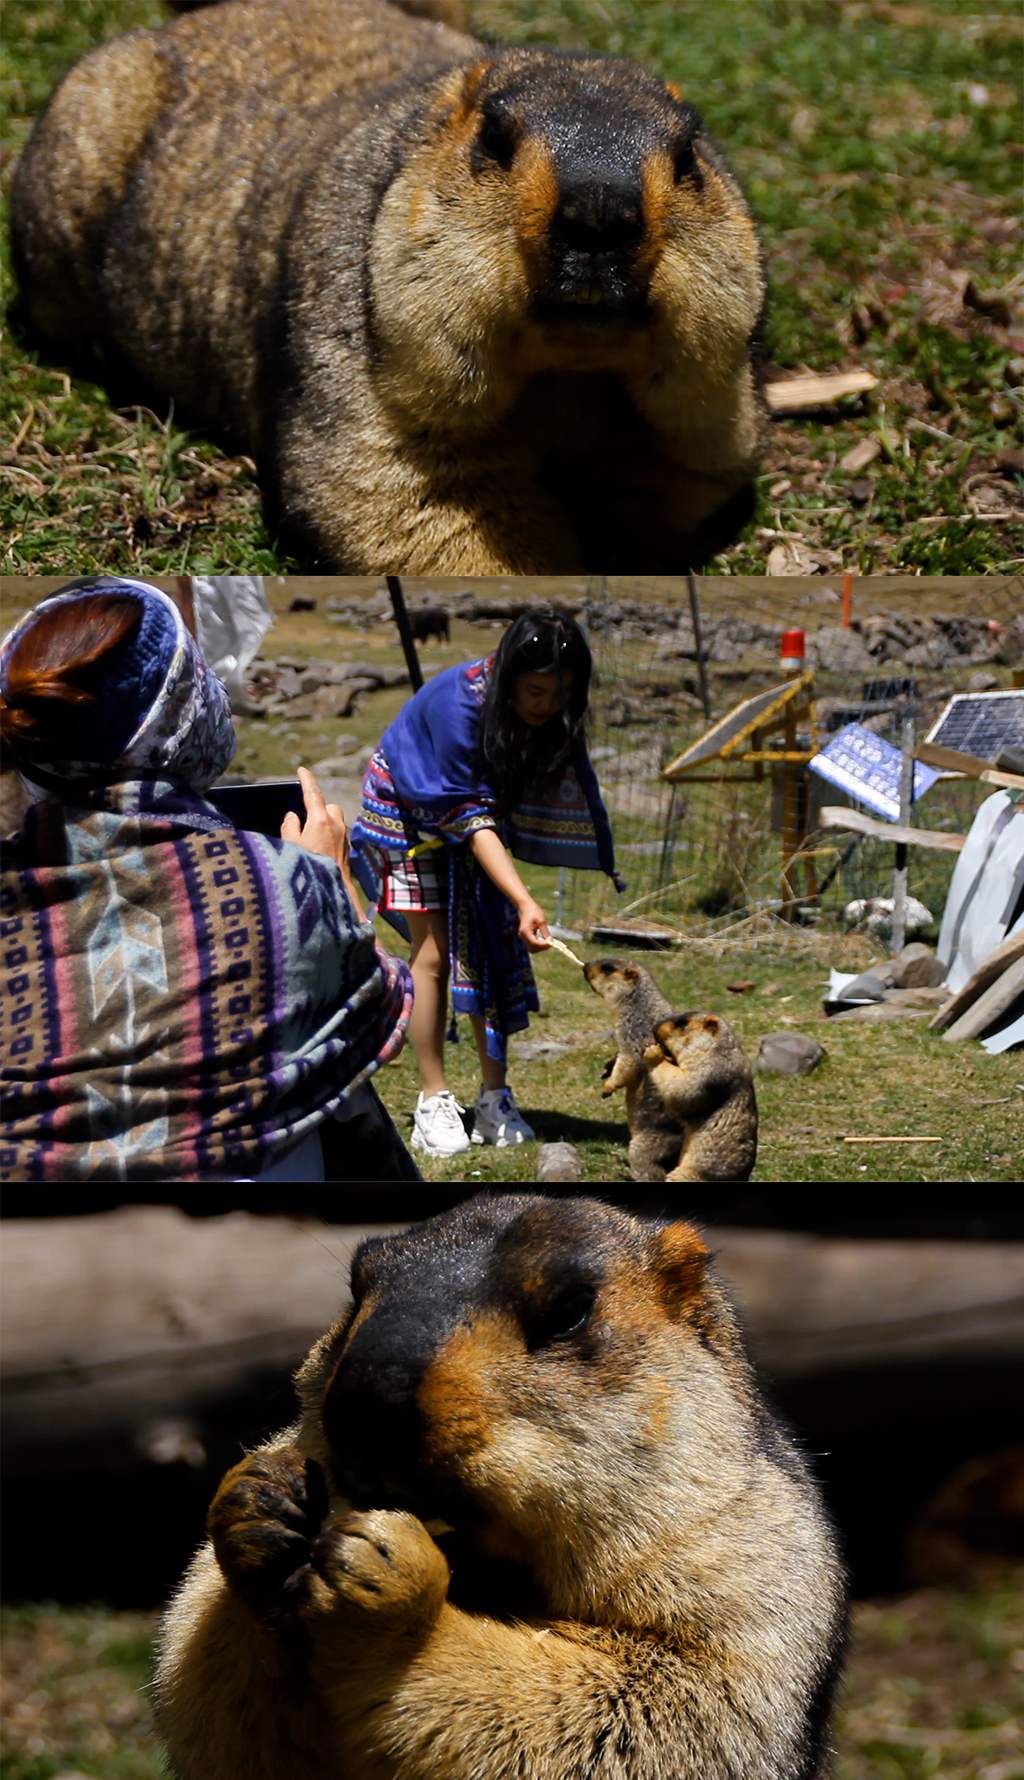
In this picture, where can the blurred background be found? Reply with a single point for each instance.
(147, 1344)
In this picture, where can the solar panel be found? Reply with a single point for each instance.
(733, 725)
(980, 723)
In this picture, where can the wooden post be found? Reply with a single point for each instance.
(899, 886)
(790, 814)
(691, 582)
(412, 660)
(847, 583)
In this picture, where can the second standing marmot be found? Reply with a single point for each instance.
(702, 1075)
(655, 1136)
(475, 309)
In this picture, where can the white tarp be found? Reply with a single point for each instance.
(985, 904)
(232, 617)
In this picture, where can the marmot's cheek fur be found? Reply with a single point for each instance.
(475, 309)
(535, 1522)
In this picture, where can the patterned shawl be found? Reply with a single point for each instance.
(182, 1000)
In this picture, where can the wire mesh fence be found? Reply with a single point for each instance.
(706, 857)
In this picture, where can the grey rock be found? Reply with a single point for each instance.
(934, 652)
(788, 1053)
(840, 651)
(530, 1050)
(558, 1162)
(881, 1010)
(917, 967)
(869, 986)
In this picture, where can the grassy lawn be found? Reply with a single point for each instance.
(887, 1080)
(879, 1080)
(880, 147)
(935, 1687)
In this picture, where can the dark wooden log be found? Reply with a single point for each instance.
(113, 1321)
(117, 1319)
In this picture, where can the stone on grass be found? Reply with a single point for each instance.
(917, 967)
(788, 1053)
(558, 1162)
(869, 986)
(538, 1050)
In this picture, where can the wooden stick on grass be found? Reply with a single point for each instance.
(892, 1140)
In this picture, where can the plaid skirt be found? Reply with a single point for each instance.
(416, 883)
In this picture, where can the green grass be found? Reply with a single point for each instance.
(888, 1080)
(880, 147)
(76, 1694)
(894, 1079)
(933, 1689)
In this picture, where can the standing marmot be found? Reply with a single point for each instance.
(637, 1581)
(475, 309)
(702, 1073)
(655, 1135)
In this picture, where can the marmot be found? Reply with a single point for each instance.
(630, 1575)
(474, 309)
(655, 1135)
(703, 1076)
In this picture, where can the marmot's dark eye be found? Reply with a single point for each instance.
(497, 136)
(563, 1316)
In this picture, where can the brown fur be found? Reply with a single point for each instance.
(702, 1074)
(636, 1581)
(630, 990)
(474, 309)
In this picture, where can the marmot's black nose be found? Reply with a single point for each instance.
(599, 215)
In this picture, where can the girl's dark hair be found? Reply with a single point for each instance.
(547, 641)
(47, 664)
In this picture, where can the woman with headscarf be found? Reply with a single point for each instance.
(182, 1000)
(487, 755)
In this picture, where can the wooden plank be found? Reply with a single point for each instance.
(971, 765)
(118, 1317)
(838, 816)
(815, 392)
(986, 973)
(997, 998)
(123, 1316)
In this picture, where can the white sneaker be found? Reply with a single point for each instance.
(437, 1127)
(498, 1120)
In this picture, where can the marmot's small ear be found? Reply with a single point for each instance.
(674, 92)
(630, 973)
(469, 91)
(712, 1024)
(680, 1258)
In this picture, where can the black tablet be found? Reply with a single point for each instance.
(261, 807)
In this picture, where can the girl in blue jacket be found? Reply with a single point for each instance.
(488, 758)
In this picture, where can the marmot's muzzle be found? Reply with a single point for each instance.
(595, 238)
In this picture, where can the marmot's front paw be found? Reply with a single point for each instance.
(262, 1521)
(654, 1055)
(383, 1566)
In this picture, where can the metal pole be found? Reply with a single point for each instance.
(691, 581)
(412, 660)
(899, 883)
(563, 877)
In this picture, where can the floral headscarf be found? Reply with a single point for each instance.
(160, 712)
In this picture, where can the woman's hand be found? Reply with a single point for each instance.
(533, 926)
(533, 922)
(323, 831)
